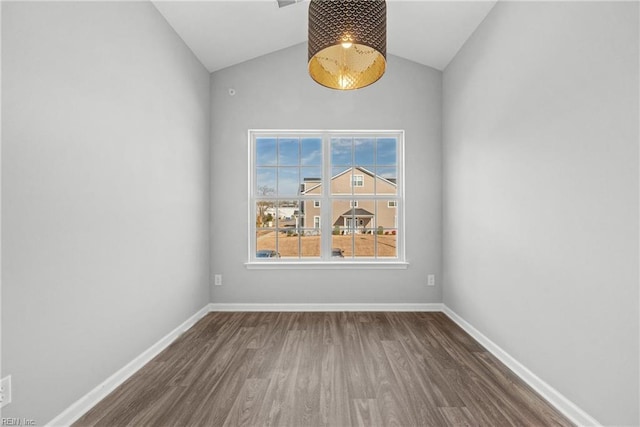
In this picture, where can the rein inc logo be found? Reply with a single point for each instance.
(17, 422)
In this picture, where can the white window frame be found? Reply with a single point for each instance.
(317, 204)
(392, 203)
(326, 261)
(317, 223)
(357, 181)
(353, 203)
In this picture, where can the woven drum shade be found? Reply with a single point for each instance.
(347, 42)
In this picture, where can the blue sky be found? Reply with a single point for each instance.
(283, 163)
(288, 152)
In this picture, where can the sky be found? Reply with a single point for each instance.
(282, 164)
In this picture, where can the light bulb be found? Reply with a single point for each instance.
(346, 41)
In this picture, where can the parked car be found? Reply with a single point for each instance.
(337, 253)
(267, 253)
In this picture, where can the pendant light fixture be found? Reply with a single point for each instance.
(347, 42)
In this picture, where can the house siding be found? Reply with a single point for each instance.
(341, 185)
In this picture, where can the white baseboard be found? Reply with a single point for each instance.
(89, 400)
(553, 396)
(327, 307)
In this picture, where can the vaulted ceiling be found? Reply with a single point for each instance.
(224, 33)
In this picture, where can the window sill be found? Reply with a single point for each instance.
(336, 265)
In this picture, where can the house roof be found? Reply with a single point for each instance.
(357, 212)
(391, 181)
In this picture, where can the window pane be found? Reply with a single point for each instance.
(364, 151)
(288, 228)
(266, 236)
(310, 243)
(266, 214)
(340, 210)
(309, 209)
(266, 152)
(265, 181)
(341, 152)
(311, 152)
(387, 245)
(341, 246)
(361, 182)
(288, 151)
(341, 221)
(387, 180)
(386, 217)
(354, 227)
(288, 214)
(289, 243)
(311, 179)
(288, 181)
(341, 180)
(386, 151)
(365, 213)
(364, 245)
(266, 245)
(363, 228)
(386, 228)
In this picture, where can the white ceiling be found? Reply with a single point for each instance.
(226, 32)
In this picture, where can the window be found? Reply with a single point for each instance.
(315, 193)
(358, 181)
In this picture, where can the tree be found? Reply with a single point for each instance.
(263, 205)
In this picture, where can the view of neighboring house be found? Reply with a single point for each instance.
(352, 214)
(283, 212)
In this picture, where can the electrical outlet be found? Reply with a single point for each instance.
(5, 391)
(431, 280)
(217, 279)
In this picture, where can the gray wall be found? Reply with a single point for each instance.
(541, 195)
(105, 179)
(275, 92)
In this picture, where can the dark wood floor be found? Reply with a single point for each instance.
(324, 369)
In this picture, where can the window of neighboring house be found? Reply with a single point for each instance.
(358, 181)
(313, 193)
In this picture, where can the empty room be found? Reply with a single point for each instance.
(320, 213)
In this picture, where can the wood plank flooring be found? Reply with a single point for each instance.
(324, 369)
